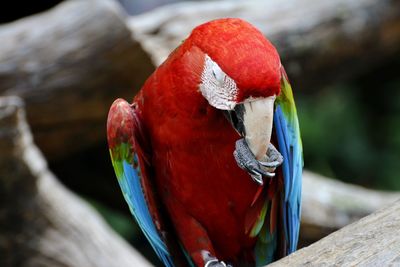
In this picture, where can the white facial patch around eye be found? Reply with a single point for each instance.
(219, 89)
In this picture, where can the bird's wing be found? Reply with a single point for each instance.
(130, 159)
(289, 142)
(277, 213)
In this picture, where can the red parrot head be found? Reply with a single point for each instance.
(239, 53)
(241, 75)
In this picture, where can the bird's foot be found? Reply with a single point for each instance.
(211, 261)
(257, 169)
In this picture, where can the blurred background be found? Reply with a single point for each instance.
(68, 60)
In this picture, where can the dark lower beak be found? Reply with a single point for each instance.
(235, 117)
(253, 120)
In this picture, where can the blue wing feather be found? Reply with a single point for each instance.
(128, 158)
(289, 142)
(134, 196)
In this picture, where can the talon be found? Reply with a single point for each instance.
(257, 177)
(211, 261)
(215, 263)
(260, 173)
(270, 174)
(270, 165)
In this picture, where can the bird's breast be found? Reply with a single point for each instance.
(200, 172)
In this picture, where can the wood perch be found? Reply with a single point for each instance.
(328, 205)
(41, 222)
(372, 241)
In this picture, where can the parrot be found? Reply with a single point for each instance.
(208, 154)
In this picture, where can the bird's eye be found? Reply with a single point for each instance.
(217, 87)
(218, 73)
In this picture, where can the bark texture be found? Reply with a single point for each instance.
(69, 64)
(371, 241)
(319, 41)
(41, 222)
(329, 205)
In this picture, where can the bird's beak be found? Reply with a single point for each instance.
(253, 120)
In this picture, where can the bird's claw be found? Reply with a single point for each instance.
(273, 159)
(216, 263)
(257, 176)
(257, 169)
(211, 261)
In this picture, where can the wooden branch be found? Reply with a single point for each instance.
(372, 241)
(41, 222)
(328, 205)
(319, 41)
(69, 64)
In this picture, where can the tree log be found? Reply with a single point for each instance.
(328, 205)
(41, 222)
(372, 241)
(69, 64)
(319, 41)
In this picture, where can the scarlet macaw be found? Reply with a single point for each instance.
(195, 153)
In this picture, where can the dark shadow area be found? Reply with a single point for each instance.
(13, 10)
